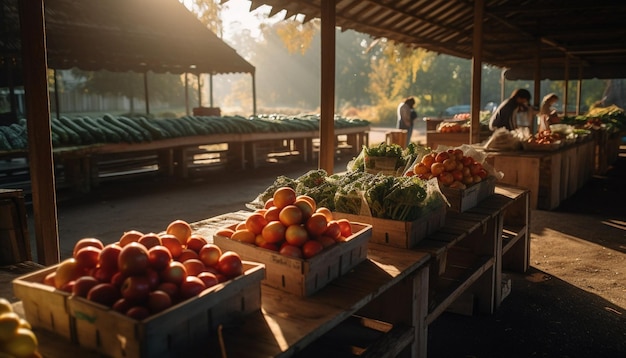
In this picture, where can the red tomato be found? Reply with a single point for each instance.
(305, 207)
(83, 284)
(255, 223)
(345, 227)
(284, 196)
(290, 215)
(316, 225)
(296, 235)
(311, 248)
(230, 265)
(172, 244)
(333, 230)
(272, 214)
(274, 232)
(290, 250)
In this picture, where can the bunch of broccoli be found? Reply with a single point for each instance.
(356, 192)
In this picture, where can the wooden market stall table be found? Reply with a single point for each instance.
(551, 175)
(384, 304)
(83, 166)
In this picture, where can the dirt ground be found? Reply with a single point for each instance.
(570, 303)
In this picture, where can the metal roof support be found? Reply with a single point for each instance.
(479, 8)
(327, 97)
(39, 135)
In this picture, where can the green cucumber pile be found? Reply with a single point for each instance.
(86, 130)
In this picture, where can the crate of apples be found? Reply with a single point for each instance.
(302, 245)
(146, 280)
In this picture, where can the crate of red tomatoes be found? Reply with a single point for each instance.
(302, 246)
(147, 295)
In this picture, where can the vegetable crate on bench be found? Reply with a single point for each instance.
(304, 277)
(402, 234)
(464, 199)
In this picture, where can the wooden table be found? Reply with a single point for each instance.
(551, 176)
(383, 306)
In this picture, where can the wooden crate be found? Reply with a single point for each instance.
(402, 234)
(305, 277)
(184, 329)
(464, 199)
(45, 307)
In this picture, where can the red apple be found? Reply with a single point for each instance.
(104, 294)
(209, 254)
(154, 278)
(168, 287)
(187, 254)
(196, 242)
(118, 279)
(133, 259)
(194, 267)
(158, 301)
(122, 305)
(175, 273)
(85, 242)
(159, 257)
(230, 265)
(210, 279)
(83, 284)
(149, 240)
(135, 288)
(191, 286)
(67, 271)
(108, 256)
(87, 257)
(138, 312)
(103, 274)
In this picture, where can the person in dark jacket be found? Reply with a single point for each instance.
(506, 114)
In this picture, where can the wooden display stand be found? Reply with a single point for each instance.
(396, 136)
(551, 176)
(382, 307)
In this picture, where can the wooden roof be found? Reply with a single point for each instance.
(591, 34)
(126, 35)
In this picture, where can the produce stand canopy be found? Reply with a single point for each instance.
(128, 35)
(591, 34)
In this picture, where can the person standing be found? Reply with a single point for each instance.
(505, 116)
(406, 117)
(547, 113)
